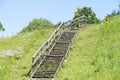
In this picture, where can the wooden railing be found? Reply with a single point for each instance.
(48, 45)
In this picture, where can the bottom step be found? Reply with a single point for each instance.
(48, 67)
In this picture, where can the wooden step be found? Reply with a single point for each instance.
(54, 55)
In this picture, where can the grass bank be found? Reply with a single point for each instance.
(21, 47)
(95, 54)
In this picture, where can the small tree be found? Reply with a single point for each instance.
(38, 24)
(118, 12)
(111, 15)
(77, 13)
(58, 24)
(1, 27)
(114, 13)
(90, 16)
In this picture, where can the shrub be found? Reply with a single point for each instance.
(38, 24)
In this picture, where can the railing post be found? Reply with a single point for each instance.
(32, 60)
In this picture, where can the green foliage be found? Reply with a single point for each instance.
(95, 54)
(88, 13)
(113, 14)
(57, 25)
(38, 24)
(1, 27)
(118, 11)
(110, 16)
(77, 13)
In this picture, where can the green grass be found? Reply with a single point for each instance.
(14, 68)
(95, 54)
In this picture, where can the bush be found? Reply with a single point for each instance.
(1, 27)
(38, 24)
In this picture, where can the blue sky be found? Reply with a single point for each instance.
(16, 14)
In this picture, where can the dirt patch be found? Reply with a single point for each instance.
(8, 53)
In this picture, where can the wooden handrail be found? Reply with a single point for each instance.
(37, 53)
(49, 44)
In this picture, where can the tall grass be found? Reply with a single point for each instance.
(95, 54)
(16, 67)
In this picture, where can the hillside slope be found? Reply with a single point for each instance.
(16, 52)
(95, 54)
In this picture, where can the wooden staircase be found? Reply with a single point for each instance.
(52, 62)
(48, 59)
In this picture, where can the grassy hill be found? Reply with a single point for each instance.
(95, 54)
(16, 52)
